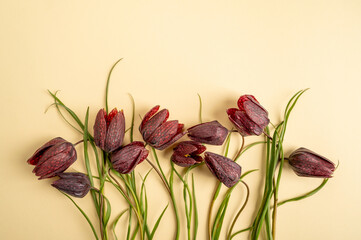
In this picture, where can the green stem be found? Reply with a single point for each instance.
(215, 195)
(123, 191)
(239, 212)
(216, 192)
(195, 225)
(174, 201)
(168, 185)
(101, 192)
(188, 209)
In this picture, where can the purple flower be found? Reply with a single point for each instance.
(251, 118)
(226, 170)
(210, 132)
(74, 184)
(128, 157)
(187, 153)
(52, 158)
(306, 163)
(109, 130)
(157, 131)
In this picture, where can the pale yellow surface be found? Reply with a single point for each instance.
(173, 50)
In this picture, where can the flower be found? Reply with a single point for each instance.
(128, 157)
(306, 163)
(157, 131)
(210, 132)
(251, 118)
(187, 153)
(226, 170)
(74, 184)
(109, 129)
(52, 158)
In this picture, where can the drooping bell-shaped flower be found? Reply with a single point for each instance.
(52, 158)
(226, 170)
(157, 131)
(187, 153)
(109, 130)
(74, 184)
(251, 118)
(128, 157)
(209, 132)
(306, 163)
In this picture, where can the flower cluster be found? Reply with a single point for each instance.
(120, 157)
(55, 156)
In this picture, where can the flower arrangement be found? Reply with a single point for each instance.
(116, 161)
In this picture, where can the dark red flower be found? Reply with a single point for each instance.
(52, 158)
(109, 129)
(157, 131)
(226, 170)
(251, 118)
(306, 163)
(74, 184)
(187, 153)
(210, 132)
(128, 157)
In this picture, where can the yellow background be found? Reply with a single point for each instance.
(173, 50)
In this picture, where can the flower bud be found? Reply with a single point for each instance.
(226, 170)
(306, 163)
(210, 132)
(52, 158)
(157, 131)
(128, 157)
(251, 118)
(187, 153)
(109, 130)
(74, 184)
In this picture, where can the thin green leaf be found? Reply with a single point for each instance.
(96, 156)
(133, 116)
(240, 231)
(116, 221)
(135, 231)
(200, 108)
(72, 114)
(289, 109)
(188, 208)
(143, 184)
(87, 162)
(129, 224)
(306, 195)
(84, 214)
(107, 86)
(157, 222)
(144, 203)
(108, 212)
(66, 120)
(61, 114)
